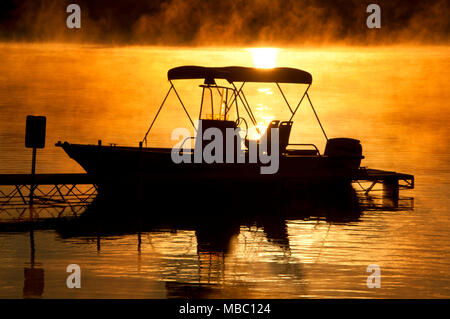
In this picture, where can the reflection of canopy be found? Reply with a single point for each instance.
(240, 74)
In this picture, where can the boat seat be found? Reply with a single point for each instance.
(267, 134)
(284, 134)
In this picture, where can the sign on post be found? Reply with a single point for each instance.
(35, 131)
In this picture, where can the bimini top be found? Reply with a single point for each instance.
(240, 74)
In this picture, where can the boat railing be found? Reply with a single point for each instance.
(302, 144)
(184, 141)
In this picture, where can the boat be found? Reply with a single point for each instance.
(223, 153)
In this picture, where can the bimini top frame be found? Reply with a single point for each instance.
(234, 74)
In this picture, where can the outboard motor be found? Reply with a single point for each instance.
(345, 147)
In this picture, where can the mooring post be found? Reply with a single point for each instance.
(139, 240)
(391, 190)
(139, 190)
(33, 173)
(32, 248)
(98, 242)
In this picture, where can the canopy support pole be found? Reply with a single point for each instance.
(296, 108)
(238, 95)
(234, 98)
(281, 91)
(307, 95)
(179, 99)
(248, 106)
(157, 113)
(201, 104)
(249, 112)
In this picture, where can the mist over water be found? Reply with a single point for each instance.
(228, 22)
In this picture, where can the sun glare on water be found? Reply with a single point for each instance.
(265, 58)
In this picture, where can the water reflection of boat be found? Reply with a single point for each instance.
(225, 107)
(227, 239)
(214, 228)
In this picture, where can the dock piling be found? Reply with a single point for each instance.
(33, 173)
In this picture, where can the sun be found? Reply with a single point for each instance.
(265, 58)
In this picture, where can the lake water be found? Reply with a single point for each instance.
(393, 99)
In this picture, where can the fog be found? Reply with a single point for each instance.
(227, 22)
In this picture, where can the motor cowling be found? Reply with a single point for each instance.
(344, 147)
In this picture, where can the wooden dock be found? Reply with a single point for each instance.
(45, 179)
(392, 181)
(375, 176)
(44, 192)
(57, 195)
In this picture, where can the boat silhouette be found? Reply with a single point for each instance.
(139, 167)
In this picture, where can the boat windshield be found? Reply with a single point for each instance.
(216, 102)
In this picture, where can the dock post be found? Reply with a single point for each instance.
(33, 174)
(34, 138)
(139, 174)
(391, 190)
